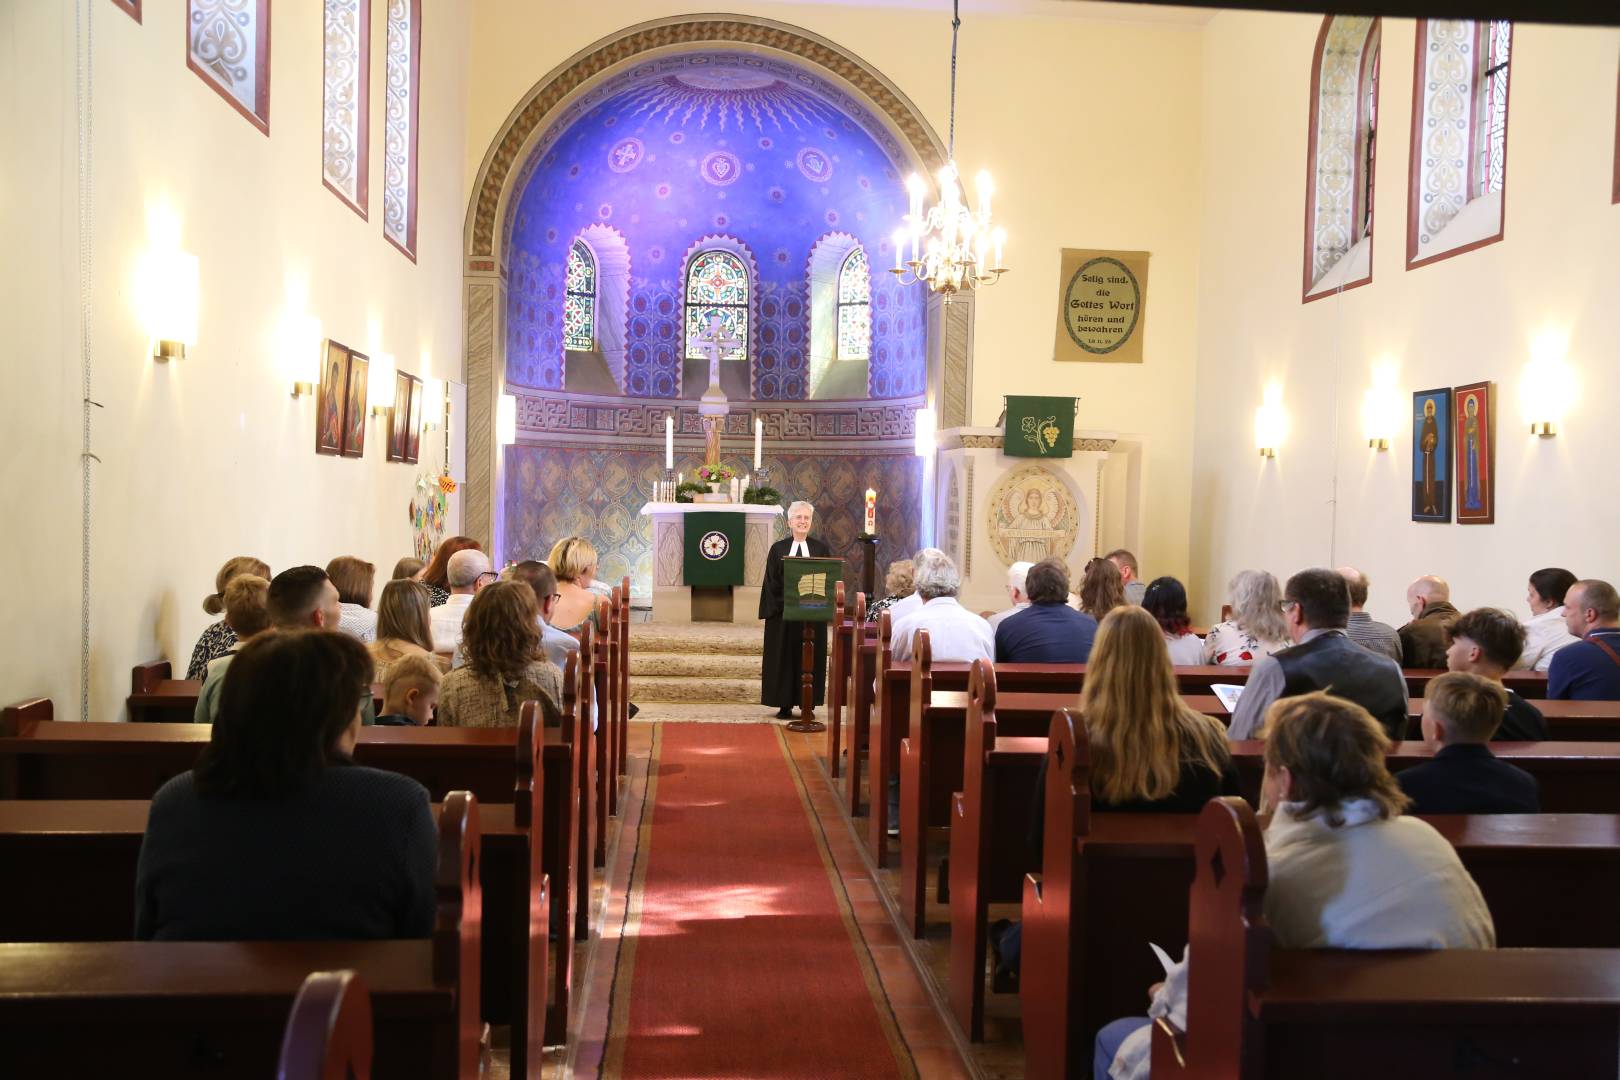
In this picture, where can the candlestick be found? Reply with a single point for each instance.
(870, 527)
(669, 442)
(759, 441)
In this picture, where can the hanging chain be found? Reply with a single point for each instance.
(84, 42)
(956, 27)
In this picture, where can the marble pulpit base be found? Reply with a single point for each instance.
(672, 599)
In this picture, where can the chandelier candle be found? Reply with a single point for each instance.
(870, 525)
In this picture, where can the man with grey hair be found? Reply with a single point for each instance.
(1362, 628)
(1017, 578)
(955, 634)
(467, 572)
(1424, 640)
(782, 668)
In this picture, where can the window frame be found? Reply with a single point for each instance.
(259, 115)
(1362, 187)
(839, 304)
(407, 246)
(594, 294)
(361, 204)
(750, 290)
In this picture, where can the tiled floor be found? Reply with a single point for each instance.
(918, 1000)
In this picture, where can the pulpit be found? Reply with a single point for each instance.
(673, 600)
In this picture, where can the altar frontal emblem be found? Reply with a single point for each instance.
(714, 545)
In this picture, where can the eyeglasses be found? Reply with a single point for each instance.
(490, 574)
(1286, 604)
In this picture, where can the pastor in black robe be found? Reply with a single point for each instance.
(784, 641)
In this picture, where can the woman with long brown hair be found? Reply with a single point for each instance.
(354, 579)
(219, 639)
(503, 666)
(1102, 589)
(436, 575)
(403, 626)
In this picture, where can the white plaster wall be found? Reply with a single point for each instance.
(1090, 128)
(207, 457)
(1468, 319)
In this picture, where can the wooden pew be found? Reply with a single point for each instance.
(328, 1034)
(623, 624)
(157, 698)
(139, 1009)
(602, 709)
(1254, 1010)
(1109, 883)
(986, 867)
(1576, 721)
(609, 761)
(80, 857)
(865, 659)
(837, 680)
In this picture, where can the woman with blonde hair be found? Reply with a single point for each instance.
(404, 627)
(503, 666)
(1102, 589)
(219, 639)
(1255, 628)
(354, 579)
(247, 613)
(898, 584)
(573, 560)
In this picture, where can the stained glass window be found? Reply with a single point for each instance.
(716, 285)
(855, 307)
(1369, 150)
(579, 306)
(1492, 165)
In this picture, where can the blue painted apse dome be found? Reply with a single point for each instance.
(733, 152)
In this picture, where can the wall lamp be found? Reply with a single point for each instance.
(1270, 423)
(927, 427)
(380, 383)
(171, 286)
(506, 420)
(1549, 388)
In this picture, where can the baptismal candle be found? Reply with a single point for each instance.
(759, 442)
(871, 512)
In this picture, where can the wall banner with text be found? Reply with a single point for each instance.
(1101, 306)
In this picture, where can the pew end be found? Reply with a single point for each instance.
(14, 718)
(329, 1030)
(144, 678)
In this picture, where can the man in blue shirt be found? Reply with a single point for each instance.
(1589, 669)
(1049, 631)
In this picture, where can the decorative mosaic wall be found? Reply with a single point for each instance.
(713, 144)
(598, 492)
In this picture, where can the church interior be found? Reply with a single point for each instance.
(869, 366)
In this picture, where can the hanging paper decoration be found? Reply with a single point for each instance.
(429, 510)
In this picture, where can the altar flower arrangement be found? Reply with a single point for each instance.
(716, 474)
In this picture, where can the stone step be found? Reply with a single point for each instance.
(694, 690)
(693, 665)
(706, 713)
(722, 639)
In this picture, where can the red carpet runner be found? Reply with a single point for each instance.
(740, 957)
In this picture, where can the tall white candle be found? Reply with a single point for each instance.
(669, 442)
(759, 442)
(870, 524)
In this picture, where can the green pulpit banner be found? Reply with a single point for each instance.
(1039, 427)
(714, 549)
(808, 586)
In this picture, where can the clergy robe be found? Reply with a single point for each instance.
(784, 641)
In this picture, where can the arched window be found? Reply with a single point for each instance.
(579, 307)
(1459, 138)
(716, 285)
(1339, 171)
(855, 307)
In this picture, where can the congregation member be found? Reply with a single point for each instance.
(409, 567)
(1588, 670)
(539, 577)
(1545, 632)
(781, 672)
(1316, 606)
(218, 638)
(1047, 630)
(1462, 713)
(354, 579)
(1151, 752)
(1362, 628)
(410, 692)
(1017, 593)
(1166, 600)
(404, 626)
(247, 614)
(899, 594)
(468, 572)
(1130, 575)
(1102, 589)
(276, 834)
(1485, 642)
(1346, 868)
(956, 635)
(573, 561)
(1254, 628)
(302, 598)
(504, 666)
(1423, 640)
(436, 575)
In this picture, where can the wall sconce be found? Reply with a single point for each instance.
(171, 283)
(301, 343)
(380, 383)
(1380, 407)
(506, 420)
(1270, 423)
(927, 426)
(1548, 388)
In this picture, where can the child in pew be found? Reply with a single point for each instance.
(1462, 711)
(410, 692)
(248, 615)
(276, 835)
(1348, 870)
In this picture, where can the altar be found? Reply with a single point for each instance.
(673, 600)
